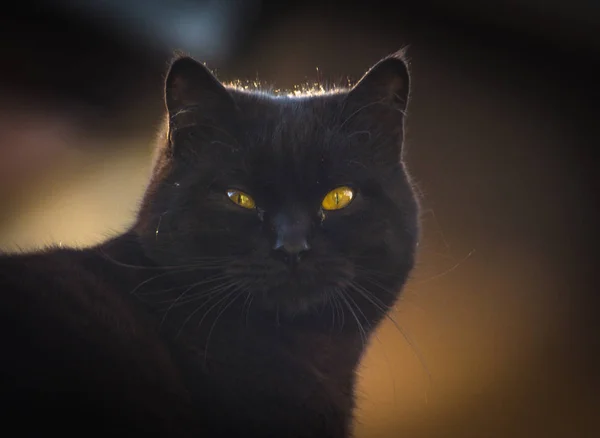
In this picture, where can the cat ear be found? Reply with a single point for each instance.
(387, 82)
(378, 101)
(190, 83)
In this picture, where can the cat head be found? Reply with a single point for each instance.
(299, 202)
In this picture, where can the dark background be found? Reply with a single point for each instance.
(501, 139)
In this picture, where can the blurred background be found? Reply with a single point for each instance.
(501, 313)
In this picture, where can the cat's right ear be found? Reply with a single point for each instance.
(191, 84)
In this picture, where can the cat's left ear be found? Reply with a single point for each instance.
(194, 97)
(381, 96)
(190, 83)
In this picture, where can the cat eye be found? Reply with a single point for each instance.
(338, 198)
(242, 199)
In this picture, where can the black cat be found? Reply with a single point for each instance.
(275, 234)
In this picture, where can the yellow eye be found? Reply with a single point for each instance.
(338, 198)
(240, 198)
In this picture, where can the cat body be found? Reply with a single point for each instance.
(275, 234)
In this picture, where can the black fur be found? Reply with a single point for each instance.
(190, 323)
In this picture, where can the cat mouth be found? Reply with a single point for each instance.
(292, 288)
(292, 291)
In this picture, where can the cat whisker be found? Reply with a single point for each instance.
(375, 271)
(214, 294)
(337, 312)
(331, 304)
(363, 335)
(369, 296)
(208, 293)
(204, 294)
(377, 303)
(209, 279)
(447, 271)
(248, 301)
(368, 276)
(135, 289)
(402, 298)
(341, 310)
(195, 265)
(249, 306)
(237, 292)
(368, 323)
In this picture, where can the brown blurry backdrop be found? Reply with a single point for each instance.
(500, 338)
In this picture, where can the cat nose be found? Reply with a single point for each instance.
(291, 237)
(290, 250)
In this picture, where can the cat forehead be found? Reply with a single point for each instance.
(302, 130)
(288, 141)
(285, 116)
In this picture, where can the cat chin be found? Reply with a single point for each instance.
(290, 300)
(288, 310)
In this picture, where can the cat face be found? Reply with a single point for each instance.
(298, 202)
